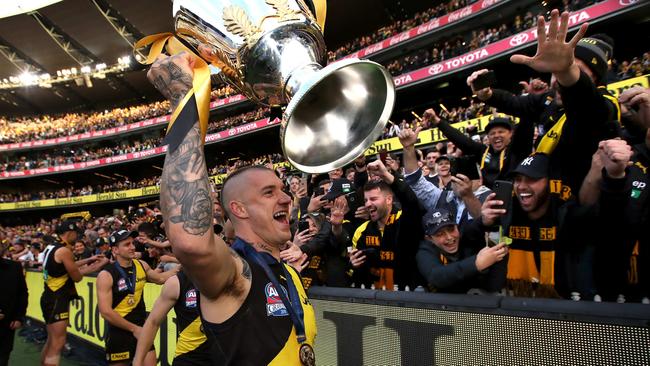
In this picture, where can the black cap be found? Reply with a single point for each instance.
(498, 122)
(435, 219)
(120, 235)
(101, 241)
(67, 225)
(535, 166)
(595, 52)
(338, 188)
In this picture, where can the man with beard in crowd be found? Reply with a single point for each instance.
(547, 231)
(384, 247)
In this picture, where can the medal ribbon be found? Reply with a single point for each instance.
(196, 101)
(293, 306)
(130, 280)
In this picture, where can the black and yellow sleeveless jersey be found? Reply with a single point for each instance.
(261, 331)
(56, 278)
(129, 306)
(191, 341)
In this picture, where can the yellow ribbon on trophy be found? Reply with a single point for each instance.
(320, 6)
(196, 103)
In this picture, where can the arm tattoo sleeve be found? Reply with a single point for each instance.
(185, 191)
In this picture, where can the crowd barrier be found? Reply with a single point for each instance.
(368, 327)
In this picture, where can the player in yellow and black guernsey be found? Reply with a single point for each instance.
(253, 304)
(60, 272)
(193, 348)
(120, 288)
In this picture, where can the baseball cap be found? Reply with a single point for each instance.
(535, 166)
(101, 241)
(118, 236)
(498, 122)
(338, 188)
(68, 225)
(435, 219)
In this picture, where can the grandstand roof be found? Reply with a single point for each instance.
(35, 39)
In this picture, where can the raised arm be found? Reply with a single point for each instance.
(185, 191)
(164, 303)
(469, 146)
(64, 255)
(408, 138)
(158, 277)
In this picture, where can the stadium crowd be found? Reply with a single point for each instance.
(51, 126)
(88, 152)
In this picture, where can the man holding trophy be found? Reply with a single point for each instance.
(272, 51)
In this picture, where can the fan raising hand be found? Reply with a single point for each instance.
(554, 54)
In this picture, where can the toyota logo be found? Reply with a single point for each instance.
(436, 69)
(627, 2)
(518, 39)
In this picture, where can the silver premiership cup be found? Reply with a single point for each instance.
(273, 52)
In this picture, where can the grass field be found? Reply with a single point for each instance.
(27, 354)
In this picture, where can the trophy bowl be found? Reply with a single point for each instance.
(273, 52)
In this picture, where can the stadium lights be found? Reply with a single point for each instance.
(80, 75)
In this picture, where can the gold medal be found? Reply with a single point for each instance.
(130, 300)
(307, 356)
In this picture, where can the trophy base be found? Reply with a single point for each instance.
(336, 114)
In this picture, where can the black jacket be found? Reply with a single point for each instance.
(568, 228)
(13, 297)
(457, 273)
(519, 148)
(590, 117)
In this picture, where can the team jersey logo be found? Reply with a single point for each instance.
(274, 305)
(121, 285)
(190, 299)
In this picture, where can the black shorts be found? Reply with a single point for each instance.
(55, 307)
(203, 355)
(120, 345)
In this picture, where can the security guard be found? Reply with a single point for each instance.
(120, 286)
(192, 344)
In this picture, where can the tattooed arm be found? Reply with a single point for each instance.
(185, 195)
